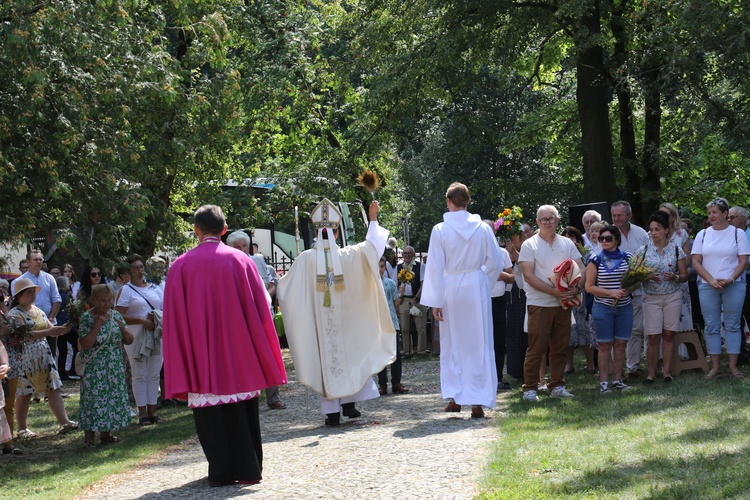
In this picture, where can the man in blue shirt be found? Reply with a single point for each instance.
(47, 298)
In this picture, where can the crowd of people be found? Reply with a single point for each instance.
(350, 313)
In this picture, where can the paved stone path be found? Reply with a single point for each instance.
(403, 446)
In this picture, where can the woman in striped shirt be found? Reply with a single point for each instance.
(612, 312)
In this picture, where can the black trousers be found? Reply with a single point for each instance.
(499, 331)
(62, 349)
(395, 366)
(230, 437)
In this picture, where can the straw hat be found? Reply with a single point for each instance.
(21, 284)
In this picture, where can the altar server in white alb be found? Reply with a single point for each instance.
(464, 264)
(336, 316)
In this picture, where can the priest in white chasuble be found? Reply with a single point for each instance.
(336, 317)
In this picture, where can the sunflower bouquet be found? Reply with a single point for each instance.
(405, 276)
(509, 222)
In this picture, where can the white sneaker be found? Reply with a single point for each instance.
(530, 395)
(619, 384)
(560, 392)
(604, 388)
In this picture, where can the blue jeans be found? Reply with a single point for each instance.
(612, 323)
(730, 299)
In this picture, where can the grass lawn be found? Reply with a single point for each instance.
(55, 466)
(687, 439)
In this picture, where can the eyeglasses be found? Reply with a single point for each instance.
(732, 217)
(607, 238)
(549, 220)
(95, 274)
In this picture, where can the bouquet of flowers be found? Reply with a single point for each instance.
(509, 222)
(637, 273)
(18, 330)
(405, 276)
(75, 309)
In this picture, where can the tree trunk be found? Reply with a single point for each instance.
(628, 153)
(592, 97)
(651, 188)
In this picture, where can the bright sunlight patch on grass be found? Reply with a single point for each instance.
(688, 439)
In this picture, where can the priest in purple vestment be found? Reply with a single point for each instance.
(220, 349)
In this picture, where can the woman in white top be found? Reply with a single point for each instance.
(719, 257)
(136, 302)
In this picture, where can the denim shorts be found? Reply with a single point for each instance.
(612, 323)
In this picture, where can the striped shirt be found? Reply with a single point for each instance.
(610, 279)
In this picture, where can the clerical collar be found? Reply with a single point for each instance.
(210, 239)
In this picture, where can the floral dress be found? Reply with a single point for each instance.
(104, 395)
(36, 368)
(686, 314)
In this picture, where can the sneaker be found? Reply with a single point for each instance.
(619, 384)
(560, 392)
(503, 386)
(604, 388)
(530, 395)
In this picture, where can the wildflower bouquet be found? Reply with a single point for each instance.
(637, 273)
(405, 276)
(509, 222)
(18, 330)
(75, 309)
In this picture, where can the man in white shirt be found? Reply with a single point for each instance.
(633, 237)
(549, 322)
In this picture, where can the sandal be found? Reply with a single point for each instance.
(737, 374)
(278, 405)
(145, 421)
(12, 451)
(110, 439)
(66, 428)
(711, 375)
(155, 419)
(25, 434)
(89, 445)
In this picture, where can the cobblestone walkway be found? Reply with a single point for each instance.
(403, 446)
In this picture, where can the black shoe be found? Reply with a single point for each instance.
(569, 372)
(503, 386)
(350, 411)
(648, 381)
(333, 419)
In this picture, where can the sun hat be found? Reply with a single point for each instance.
(21, 284)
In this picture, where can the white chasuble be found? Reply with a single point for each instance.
(339, 337)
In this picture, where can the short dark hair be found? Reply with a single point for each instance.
(661, 218)
(575, 233)
(32, 252)
(210, 219)
(614, 231)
